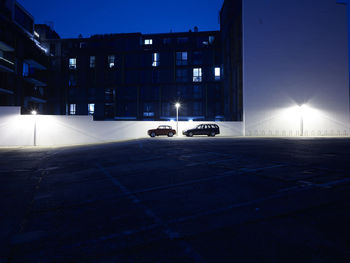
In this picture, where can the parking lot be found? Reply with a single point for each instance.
(199, 199)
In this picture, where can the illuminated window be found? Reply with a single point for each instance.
(111, 61)
(156, 60)
(72, 109)
(181, 58)
(72, 63)
(25, 70)
(197, 75)
(217, 73)
(91, 108)
(92, 61)
(148, 42)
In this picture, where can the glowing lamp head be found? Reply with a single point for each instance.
(302, 109)
(177, 105)
(34, 112)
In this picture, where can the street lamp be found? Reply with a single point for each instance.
(34, 113)
(177, 106)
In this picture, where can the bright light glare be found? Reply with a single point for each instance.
(295, 113)
(305, 111)
(190, 120)
(34, 112)
(177, 105)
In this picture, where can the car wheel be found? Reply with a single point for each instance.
(212, 134)
(190, 134)
(153, 134)
(170, 134)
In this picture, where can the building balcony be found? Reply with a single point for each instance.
(5, 11)
(35, 55)
(6, 65)
(35, 81)
(35, 95)
(35, 64)
(6, 91)
(36, 77)
(6, 47)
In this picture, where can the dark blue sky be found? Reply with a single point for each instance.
(88, 17)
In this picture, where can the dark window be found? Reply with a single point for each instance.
(197, 108)
(72, 80)
(53, 49)
(82, 45)
(182, 40)
(149, 92)
(167, 41)
(181, 75)
(109, 97)
(197, 58)
(197, 92)
(184, 92)
(166, 109)
(126, 93)
(155, 76)
(126, 109)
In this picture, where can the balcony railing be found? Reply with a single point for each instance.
(6, 64)
(35, 94)
(36, 77)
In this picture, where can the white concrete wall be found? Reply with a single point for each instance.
(295, 52)
(18, 130)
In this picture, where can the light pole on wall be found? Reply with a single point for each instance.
(34, 113)
(177, 106)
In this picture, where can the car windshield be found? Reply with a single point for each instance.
(199, 126)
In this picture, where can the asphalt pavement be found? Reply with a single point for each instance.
(177, 200)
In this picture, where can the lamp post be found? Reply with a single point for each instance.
(177, 106)
(34, 113)
(301, 110)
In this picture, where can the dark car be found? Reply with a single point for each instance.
(203, 129)
(162, 130)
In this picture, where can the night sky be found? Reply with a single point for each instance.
(86, 17)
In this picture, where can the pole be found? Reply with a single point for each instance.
(34, 130)
(301, 126)
(177, 121)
